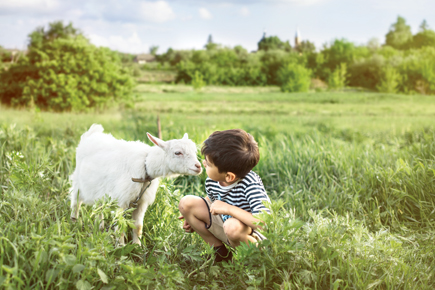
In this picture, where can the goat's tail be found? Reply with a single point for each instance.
(95, 128)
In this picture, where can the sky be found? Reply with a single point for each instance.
(134, 26)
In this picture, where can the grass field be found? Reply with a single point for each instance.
(351, 176)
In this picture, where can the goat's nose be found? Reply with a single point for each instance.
(198, 165)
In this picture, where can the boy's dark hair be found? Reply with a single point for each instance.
(232, 151)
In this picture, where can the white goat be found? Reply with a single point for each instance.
(105, 165)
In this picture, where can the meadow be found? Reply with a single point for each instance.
(351, 176)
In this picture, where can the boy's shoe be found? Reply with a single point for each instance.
(222, 254)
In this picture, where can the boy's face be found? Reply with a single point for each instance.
(213, 171)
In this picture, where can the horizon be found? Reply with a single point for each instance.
(134, 26)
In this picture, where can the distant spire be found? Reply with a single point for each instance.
(298, 34)
(297, 37)
(264, 33)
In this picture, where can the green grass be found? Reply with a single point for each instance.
(351, 177)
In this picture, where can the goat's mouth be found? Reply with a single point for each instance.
(196, 170)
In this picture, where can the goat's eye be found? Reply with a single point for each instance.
(178, 153)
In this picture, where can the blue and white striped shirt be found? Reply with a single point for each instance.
(247, 193)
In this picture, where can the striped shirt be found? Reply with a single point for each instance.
(247, 193)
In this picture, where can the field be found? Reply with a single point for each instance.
(351, 176)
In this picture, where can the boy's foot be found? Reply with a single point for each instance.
(222, 254)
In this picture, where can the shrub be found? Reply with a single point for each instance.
(337, 79)
(64, 73)
(198, 81)
(294, 78)
(390, 80)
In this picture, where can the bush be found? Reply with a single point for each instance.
(337, 79)
(294, 78)
(389, 81)
(65, 73)
(198, 81)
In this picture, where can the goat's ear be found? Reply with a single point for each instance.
(185, 137)
(157, 141)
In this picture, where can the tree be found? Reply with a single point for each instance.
(272, 43)
(210, 45)
(294, 78)
(389, 81)
(399, 35)
(425, 37)
(373, 44)
(63, 71)
(306, 47)
(341, 51)
(55, 30)
(154, 49)
(338, 78)
(424, 26)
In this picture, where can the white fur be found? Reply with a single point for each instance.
(105, 165)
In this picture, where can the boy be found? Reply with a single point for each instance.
(234, 193)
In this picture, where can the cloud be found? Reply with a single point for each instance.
(158, 11)
(132, 44)
(18, 6)
(300, 2)
(204, 13)
(244, 11)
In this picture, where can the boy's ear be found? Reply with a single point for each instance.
(230, 177)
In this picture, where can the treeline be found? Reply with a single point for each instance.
(405, 63)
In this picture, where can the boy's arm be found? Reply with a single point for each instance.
(220, 207)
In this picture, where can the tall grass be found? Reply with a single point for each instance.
(352, 208)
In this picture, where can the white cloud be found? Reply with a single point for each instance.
(204, 13)
(158, 11)
(301, 2)
(132, 44)
(19, 4)
(244, 11)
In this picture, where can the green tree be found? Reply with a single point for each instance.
(390, 80)
(63, 71)
(294, 78)
(425, 37)
(338, 78)
(55, 30)
(424, 26)
(306, 47)
(154, 49)
(340, 51)
(272, 43)
(198, 81)
(399, 35)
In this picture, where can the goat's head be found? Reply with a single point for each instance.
(180, 155)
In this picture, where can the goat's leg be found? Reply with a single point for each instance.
(75, 205)
(138, 215)
(121, 241)
(101, 217)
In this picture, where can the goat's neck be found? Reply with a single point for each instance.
(156, 163)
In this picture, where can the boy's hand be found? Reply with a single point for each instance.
(220, 207)
(187, 228)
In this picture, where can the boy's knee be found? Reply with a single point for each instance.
(186, 204)
(233, 229)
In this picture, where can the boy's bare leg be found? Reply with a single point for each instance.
(237, 232)
(196, 214)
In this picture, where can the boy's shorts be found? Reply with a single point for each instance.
(216, 227)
